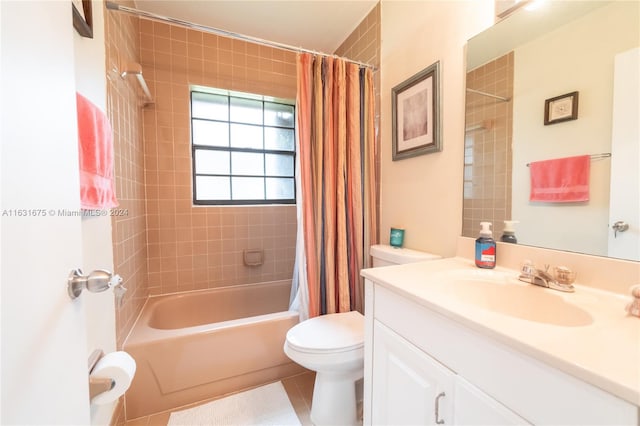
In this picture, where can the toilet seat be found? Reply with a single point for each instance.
(332, 333)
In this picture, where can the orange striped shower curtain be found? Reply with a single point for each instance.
(337, 204)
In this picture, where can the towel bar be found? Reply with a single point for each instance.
(593, 156)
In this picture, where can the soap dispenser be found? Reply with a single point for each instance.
(509, 233)
(485, 247)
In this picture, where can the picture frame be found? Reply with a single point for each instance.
(561, 108)
(82, 17)
(415, 105)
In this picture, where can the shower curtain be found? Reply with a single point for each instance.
(337, 219)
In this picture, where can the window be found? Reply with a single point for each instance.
(243, 149)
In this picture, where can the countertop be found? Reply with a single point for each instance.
(604, 352)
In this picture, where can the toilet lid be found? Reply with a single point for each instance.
(328, 333)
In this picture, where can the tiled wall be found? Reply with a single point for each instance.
(129, 230)
(487, 158)
(196, 247)
(363, 45)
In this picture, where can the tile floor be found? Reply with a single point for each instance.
(299, 389)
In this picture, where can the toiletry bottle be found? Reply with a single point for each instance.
(485, 247)
(509, 233)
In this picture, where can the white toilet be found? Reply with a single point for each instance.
(333, 346)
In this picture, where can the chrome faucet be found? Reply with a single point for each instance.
(562, 280)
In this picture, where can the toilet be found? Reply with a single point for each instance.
(333, 346)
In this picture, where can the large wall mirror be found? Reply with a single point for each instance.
(549, 50)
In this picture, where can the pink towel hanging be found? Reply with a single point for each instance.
(561, 180)
(95, 147)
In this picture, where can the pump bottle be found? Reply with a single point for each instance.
(485, 247)
(509, 233)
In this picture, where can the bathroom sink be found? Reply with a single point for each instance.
(503, 293)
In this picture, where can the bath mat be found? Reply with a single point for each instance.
(266, 405)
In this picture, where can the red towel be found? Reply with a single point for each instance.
(562, 180)
(95, 146)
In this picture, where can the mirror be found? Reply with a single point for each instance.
(534, 55)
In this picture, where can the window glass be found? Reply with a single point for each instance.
(247, 163)
(280, 188)
(279, 139)
(278, 115)
(213, 188)
(278, 165)
(247, 188)
(246, 136)
(211, 133)
(246, 111)
(209, 106)
(243, 149)
(212, 162)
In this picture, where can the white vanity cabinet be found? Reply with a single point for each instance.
(422, 367)
(412, 388)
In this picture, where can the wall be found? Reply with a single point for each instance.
(97, 252)
(363, 45)
(197, 247)
(424, 194)
(487, 147)
(125, 111)
(588, 69)
(44, 340)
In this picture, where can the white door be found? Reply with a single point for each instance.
(625, 159)
(474, 407)
(409, 387)
(44, 362)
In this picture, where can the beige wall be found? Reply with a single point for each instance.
(424, 194)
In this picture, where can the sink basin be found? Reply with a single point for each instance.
(501, 292)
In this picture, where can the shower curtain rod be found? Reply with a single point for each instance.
(149, 15)
(488, 94)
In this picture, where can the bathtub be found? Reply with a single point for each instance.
(198, 345)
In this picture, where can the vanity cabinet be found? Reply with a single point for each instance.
(412, 388)
(424, 367)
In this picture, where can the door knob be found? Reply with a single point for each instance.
(619, 226)
(97, 281)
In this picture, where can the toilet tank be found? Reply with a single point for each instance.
(384, 255)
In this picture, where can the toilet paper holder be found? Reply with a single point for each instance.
(98, 385)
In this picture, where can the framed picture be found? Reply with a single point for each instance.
(415, 105)
(561, 108)
(82, 17)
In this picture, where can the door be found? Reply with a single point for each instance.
(44, 362)
(624, 203)
(409, 387)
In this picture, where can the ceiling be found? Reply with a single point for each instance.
(310, 24)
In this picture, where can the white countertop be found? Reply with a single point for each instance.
(604, 353)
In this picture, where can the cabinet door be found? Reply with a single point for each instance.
(474, 407)
(408, 386)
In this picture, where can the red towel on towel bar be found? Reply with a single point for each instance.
(562, 180)
(95, 147)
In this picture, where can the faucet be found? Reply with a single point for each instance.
(561, 281)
